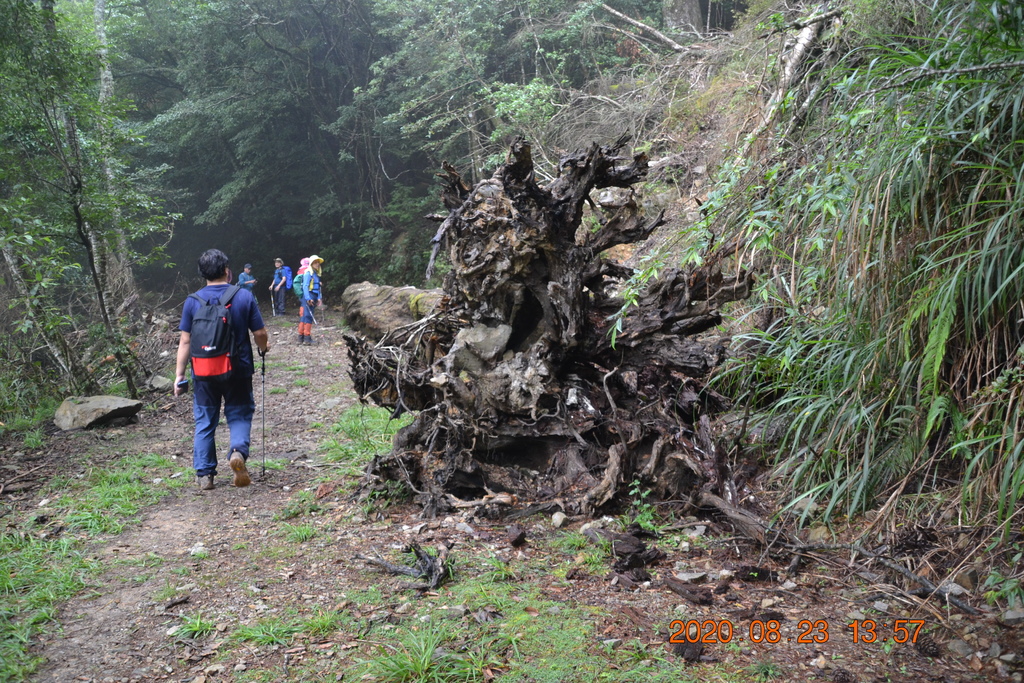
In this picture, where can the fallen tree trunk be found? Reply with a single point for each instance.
(374, 310)
(518, 384)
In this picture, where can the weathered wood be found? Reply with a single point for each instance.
(433, 568)
(519, 386)
(374, 310)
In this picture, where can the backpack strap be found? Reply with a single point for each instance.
(228, 295)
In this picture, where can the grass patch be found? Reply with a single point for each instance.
(361, 433)
(323, 623)
(107, 500)
(277, 390)
(302, 503)
(301, 382)
(298, 533)
(271, 631)
(196, 626)
(166, 593)
(35, 575)
(419, 656)
(765, 671)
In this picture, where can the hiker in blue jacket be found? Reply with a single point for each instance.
(279, 285)
(236, 390)
(311, 299)
(245, 279)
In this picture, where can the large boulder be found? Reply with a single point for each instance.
(89, 411)
(374, 310)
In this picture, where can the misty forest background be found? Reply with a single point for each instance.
(866, 155)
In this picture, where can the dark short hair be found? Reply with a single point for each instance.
(213, 264)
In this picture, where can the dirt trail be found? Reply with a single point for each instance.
(118, 632)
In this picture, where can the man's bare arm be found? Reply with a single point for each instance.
(262, 340)
(181, 362)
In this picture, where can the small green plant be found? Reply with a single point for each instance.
(418, 656)
(323, 623)
(765, 671)
(148, 560)
(33, 439)
(298, 533)
(277, 390)
(166, 593)
(195, 626)
(644, 513)
(272, 631)
(499, 571)
(1008, 589)
(301, 382)
(302, 503)
(570, 542)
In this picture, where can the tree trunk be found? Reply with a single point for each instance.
(518, 383)
(119, 281)
(683, 16)
(67, 144)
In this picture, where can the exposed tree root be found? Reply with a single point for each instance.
(520, 389)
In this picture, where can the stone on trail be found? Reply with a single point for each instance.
(88, 411)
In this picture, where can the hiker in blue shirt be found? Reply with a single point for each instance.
(282, 275)
(236, 390)
(245, 278)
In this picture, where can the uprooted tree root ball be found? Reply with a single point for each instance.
(523, 396)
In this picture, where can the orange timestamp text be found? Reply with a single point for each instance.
(807, 631)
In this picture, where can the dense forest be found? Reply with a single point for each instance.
(865, 158)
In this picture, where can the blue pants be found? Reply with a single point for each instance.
(279, 300)
(307, 312)
(239, 407)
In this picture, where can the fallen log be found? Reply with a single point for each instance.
(521, 387)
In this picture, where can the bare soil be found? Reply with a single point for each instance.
(118, 630)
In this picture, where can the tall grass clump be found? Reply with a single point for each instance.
(889, 236)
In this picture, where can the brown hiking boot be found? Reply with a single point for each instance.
(237, 463)
(206, 483)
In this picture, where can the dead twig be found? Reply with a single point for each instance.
(19, 476)
(930, 588)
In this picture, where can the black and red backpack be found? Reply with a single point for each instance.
(212, 340)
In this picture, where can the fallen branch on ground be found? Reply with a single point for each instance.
(433, 568)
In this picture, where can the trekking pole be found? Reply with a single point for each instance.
(263, 412)
(273, 302)
(314, 322)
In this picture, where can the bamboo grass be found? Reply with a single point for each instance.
(901, 231)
